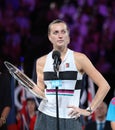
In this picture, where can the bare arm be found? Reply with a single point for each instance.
(39, 88)
(84, 65)
(98, 79)
(39, 70)
(113, 125)
(4, 115)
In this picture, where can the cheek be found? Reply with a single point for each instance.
(52, 39)
(67, 40)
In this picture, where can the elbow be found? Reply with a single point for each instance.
(108, 88)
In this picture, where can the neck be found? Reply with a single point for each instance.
(61, 50)
(101, 118)
(31, 114)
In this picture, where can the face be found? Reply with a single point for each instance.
(101, 111)
(59, 35)
(31, 106)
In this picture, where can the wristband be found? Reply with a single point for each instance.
(89, 110)
(3, 120)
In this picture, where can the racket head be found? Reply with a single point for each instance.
(25, 81)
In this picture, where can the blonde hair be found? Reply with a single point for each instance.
(57, 21)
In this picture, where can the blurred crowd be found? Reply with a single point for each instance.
(23, 29)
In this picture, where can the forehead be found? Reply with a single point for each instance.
(102, 106)
(58, 26)
(30, 101)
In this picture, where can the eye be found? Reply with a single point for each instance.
(56, 32)
(63, 31)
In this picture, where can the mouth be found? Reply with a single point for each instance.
(60, 41)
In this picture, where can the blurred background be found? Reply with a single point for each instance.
(23, 32)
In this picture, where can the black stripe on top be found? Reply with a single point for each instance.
(78, 84)
(66, 75)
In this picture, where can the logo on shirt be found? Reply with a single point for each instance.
(113, 101)
(67, 65)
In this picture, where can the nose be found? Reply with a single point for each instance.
(60, 35)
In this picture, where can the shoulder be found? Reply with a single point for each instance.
(111, 110)
(113, 101)
(90, 125)
(80, 56)
(107, 123)
(41, 60)
(81, 60)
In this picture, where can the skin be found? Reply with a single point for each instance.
(113, 125)
(59, 38)
(4, 114)
(101, 111)
(31, 108)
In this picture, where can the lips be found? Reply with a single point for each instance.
(60, 41)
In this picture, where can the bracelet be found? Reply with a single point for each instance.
(3, 120)
(89, 110)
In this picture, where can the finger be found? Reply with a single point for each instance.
(73, 113)
(77, 116)
(71, 107)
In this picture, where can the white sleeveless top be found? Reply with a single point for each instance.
(69, 86)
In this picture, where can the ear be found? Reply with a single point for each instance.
(68, 40)
(49, 37)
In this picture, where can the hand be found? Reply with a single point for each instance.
(38, 91)
(76, 112)
(2, 121)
